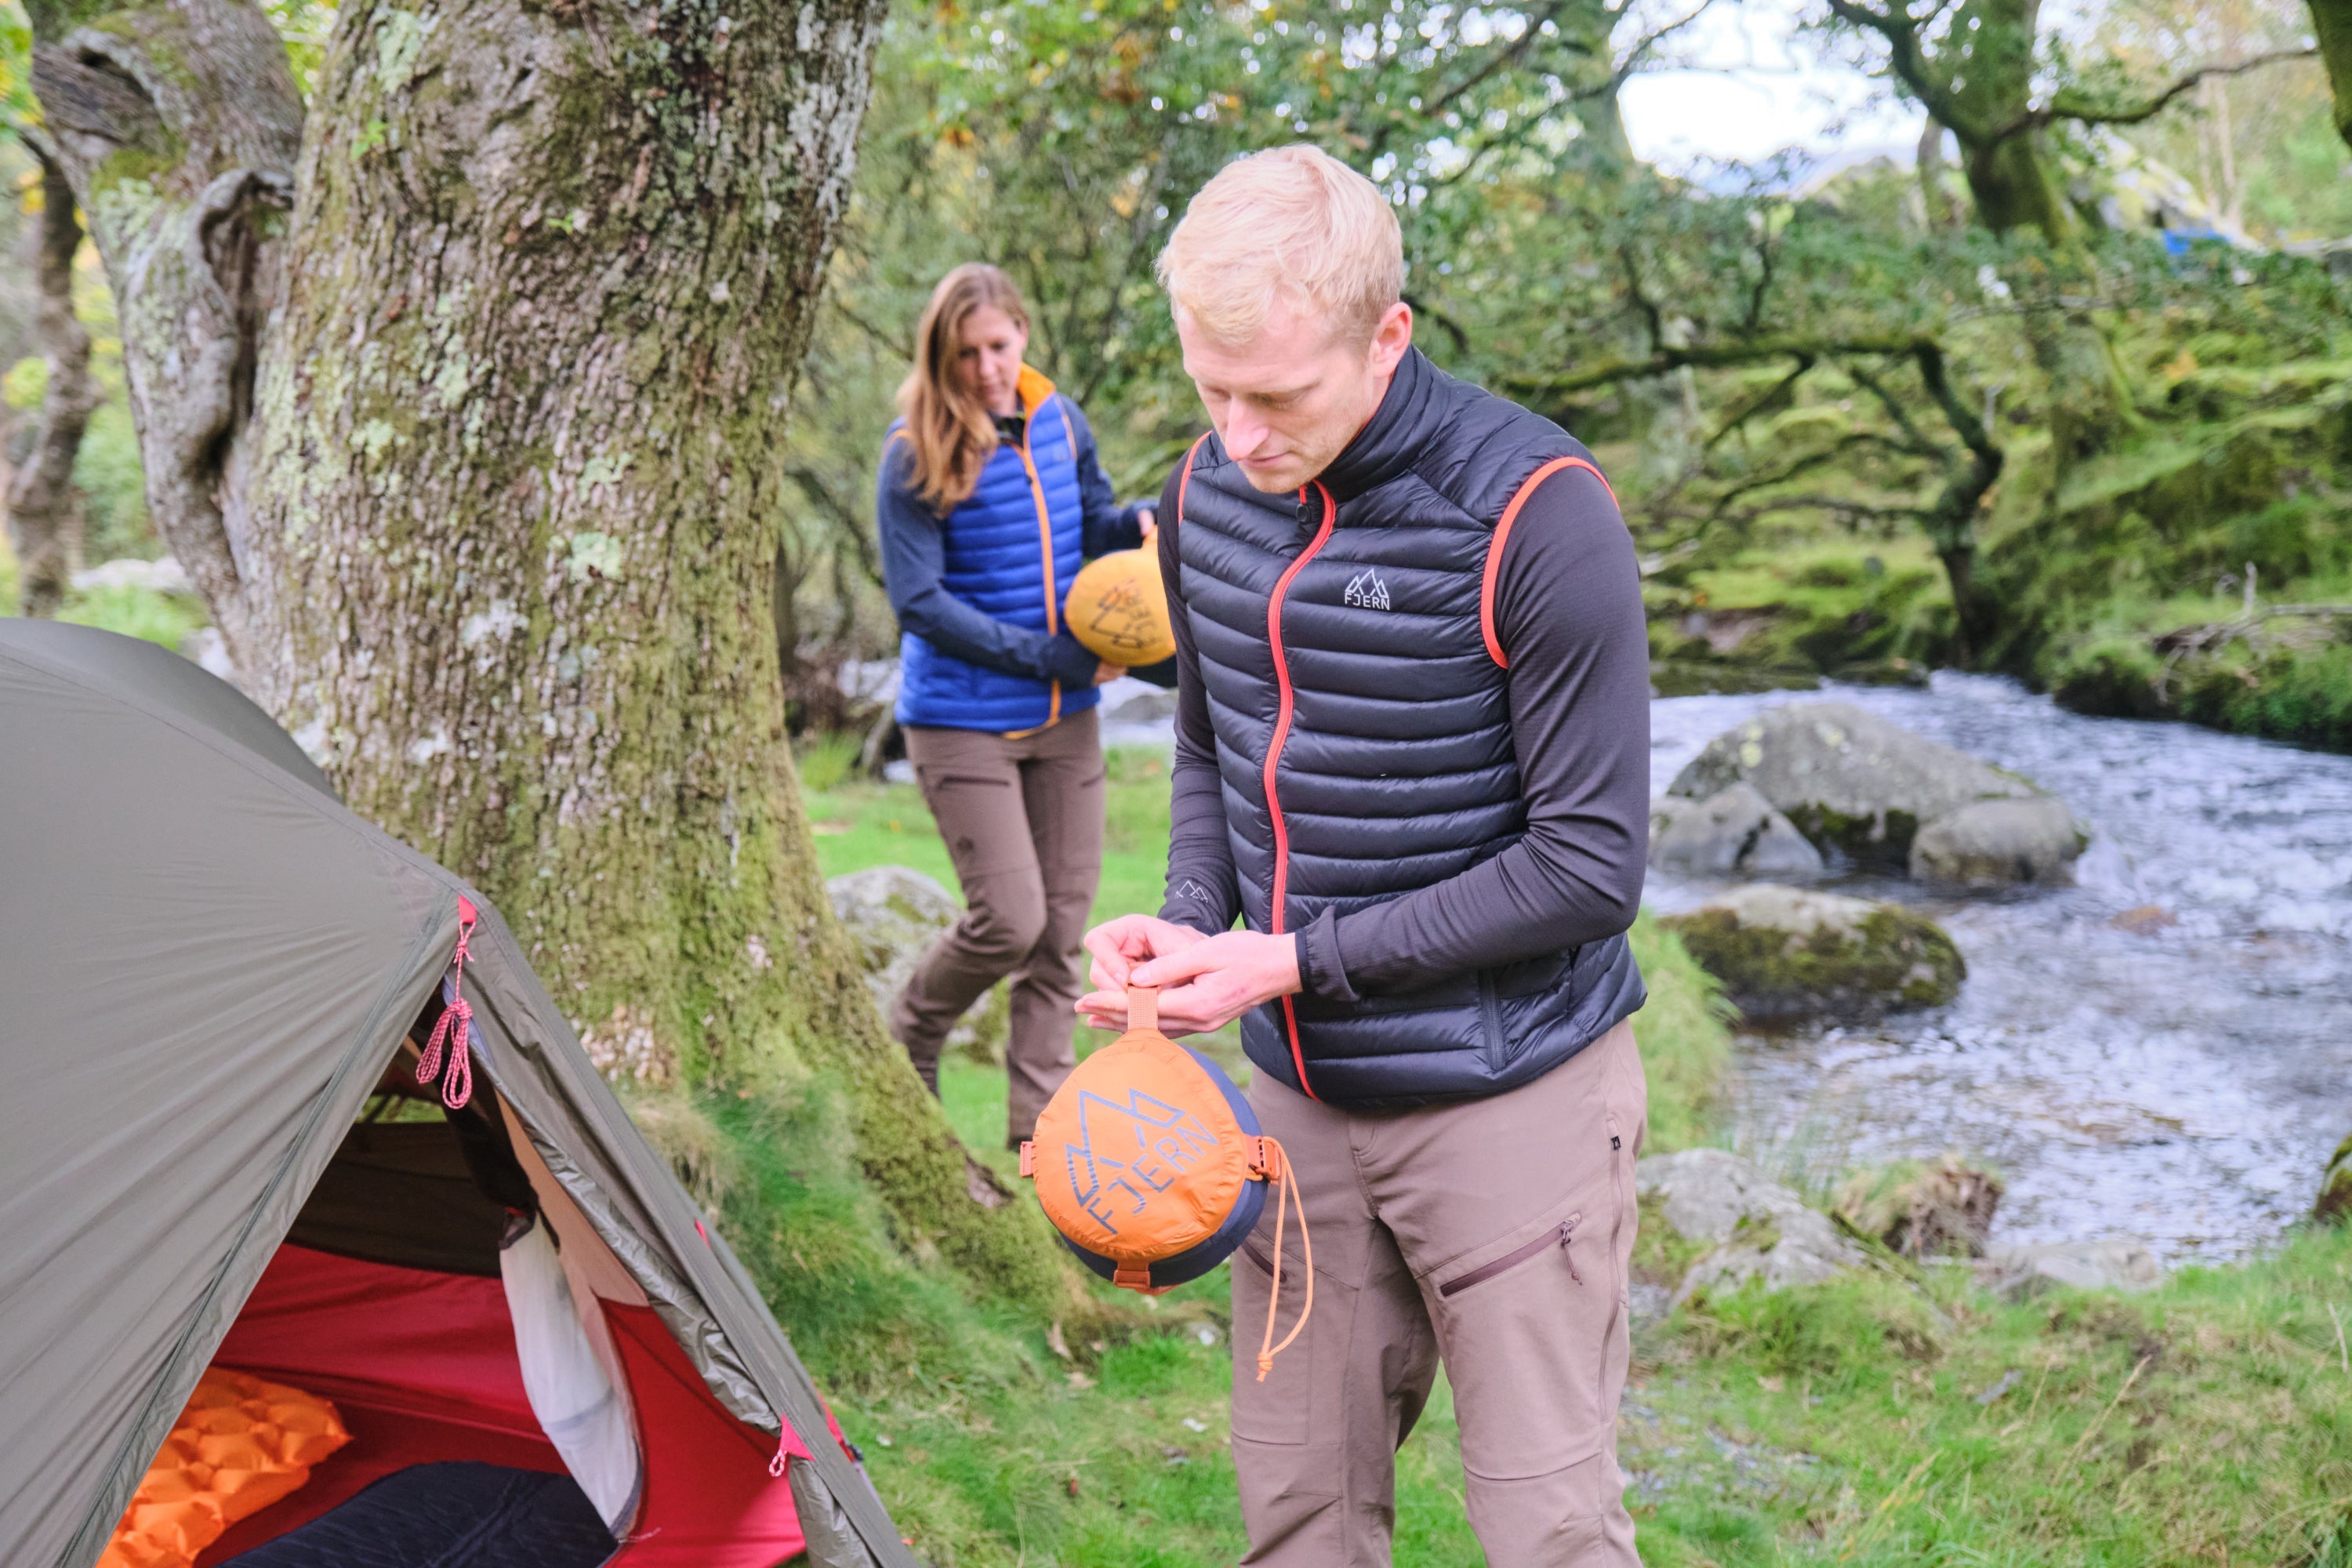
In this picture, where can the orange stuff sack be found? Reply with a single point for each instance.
(240, 1444)
(1151, 1165)
(1118, 609)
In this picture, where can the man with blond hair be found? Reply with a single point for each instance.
(1411, 758)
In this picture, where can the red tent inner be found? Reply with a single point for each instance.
(422, 1366)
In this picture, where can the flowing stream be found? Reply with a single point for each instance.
(2162, 1051)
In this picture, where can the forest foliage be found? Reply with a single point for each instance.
(1873, 359)
(2034, 405)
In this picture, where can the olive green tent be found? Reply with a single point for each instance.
(209, 971)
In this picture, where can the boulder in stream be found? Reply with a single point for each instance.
(893, 914)
(1734, 833)
(1861, 785)
(1998, 842)
(1788, 953)
(1761, 1230)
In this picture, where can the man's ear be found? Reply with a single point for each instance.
(1391, 338)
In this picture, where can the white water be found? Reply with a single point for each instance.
(2184, 1085)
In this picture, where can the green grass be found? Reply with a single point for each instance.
(1838, 1424)
(860, 823)
(161, 618)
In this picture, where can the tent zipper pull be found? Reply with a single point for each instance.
(454, 1027)
(784, 1448)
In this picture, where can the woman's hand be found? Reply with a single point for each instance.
(1206, 981)
(1107, 672)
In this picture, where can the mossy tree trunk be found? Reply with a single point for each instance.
(177, 123)
(2331, 20)
(45, 506)
(506, 487)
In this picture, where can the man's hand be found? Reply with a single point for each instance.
(1206, 981)
(1120, 945)
(1106, 672)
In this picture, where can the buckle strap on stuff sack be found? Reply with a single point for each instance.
(454, 1028)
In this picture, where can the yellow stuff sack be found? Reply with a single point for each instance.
(240, 1444)
(1118, 609)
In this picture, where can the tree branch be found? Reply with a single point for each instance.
(45, 514)
(1703, 356)
(1642, 46)
(1919, 446)
(1760, 402)
(1908, 61)
(2065, 105)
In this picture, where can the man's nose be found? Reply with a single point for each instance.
(1244, 433)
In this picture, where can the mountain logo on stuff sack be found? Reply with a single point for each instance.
(1146, 1142)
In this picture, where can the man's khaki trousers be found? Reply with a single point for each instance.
(1493, 1234)
(1023, 817)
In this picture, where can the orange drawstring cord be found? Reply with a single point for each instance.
(1267, 1350)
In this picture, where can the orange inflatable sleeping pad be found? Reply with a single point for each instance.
(239, 1445)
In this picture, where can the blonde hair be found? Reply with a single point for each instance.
(1291, 226)
(951, 429)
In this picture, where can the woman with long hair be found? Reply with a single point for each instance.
(990, 497)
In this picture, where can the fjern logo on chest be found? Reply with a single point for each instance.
(1365, 590)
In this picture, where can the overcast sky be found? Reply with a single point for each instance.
(1762, 88)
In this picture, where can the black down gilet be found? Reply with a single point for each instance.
(1363, 733)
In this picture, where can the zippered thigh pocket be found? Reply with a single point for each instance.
(1562, 1235)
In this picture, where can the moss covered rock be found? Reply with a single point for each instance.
(1852, 783)
(893, 915)
(1786, 953)
(1923, 1208)
(1756, 1229)
(2334, 1204)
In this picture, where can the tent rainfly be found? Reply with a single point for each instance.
(211, 970)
